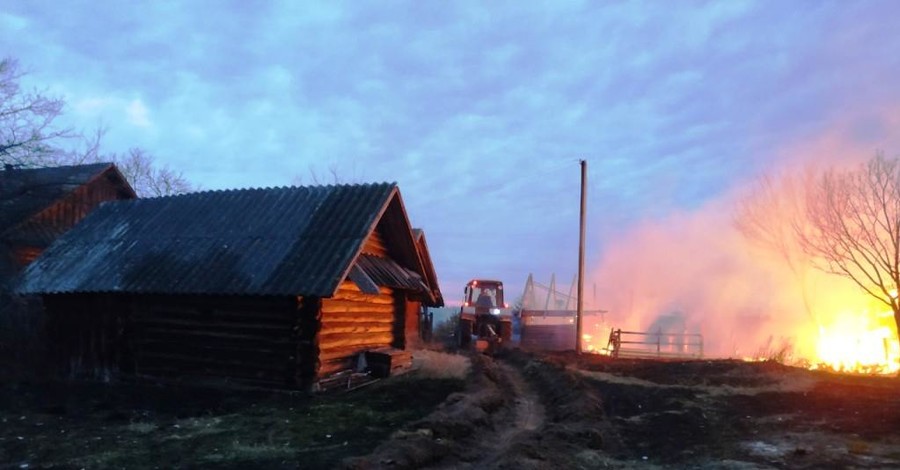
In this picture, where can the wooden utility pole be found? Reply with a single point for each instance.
(580, 313)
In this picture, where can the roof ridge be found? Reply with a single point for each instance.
(58, 167)
(276, 188)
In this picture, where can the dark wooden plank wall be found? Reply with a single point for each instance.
(353, 322)
(63, 215)
(251, 339)
(24, 255)
(411, 329)
(87, 335)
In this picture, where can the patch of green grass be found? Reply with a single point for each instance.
(141, 428)
(239, 452)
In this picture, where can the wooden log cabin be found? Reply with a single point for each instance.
(281, 286)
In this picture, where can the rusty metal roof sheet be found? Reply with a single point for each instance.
(274, 241)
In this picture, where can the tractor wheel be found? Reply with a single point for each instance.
(464, 333)
(505, 332)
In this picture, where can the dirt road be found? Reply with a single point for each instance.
(561, 411)
(515, 414)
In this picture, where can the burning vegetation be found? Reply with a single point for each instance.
(803, 269)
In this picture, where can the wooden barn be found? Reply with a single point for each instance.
(37, 205)
(283, 286)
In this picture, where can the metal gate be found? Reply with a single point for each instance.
(657, 344)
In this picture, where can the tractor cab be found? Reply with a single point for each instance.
(484, 296)
(484, 315)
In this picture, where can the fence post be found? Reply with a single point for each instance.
(618, 343)
(658, 340)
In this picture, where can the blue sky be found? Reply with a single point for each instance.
(480, 111)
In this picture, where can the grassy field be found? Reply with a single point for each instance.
(141, 425)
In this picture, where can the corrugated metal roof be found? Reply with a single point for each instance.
(27, 191)
(274, 241)
(386, 272)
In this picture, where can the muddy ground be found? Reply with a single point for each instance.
(515, 411)
(564, 411)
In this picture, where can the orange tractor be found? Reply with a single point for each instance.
(484, 317)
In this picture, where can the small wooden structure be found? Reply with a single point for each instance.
(282, 286)
(37, 205)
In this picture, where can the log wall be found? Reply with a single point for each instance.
(251, 339)
(257, 340)
(375, 244)
(352, 322)
(87, 336)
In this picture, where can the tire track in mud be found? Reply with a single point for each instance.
(517, 424)
(518, 412)
(485, 427)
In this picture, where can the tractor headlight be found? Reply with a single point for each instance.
(495, 311)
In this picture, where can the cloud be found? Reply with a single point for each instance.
(105, 109)
(91, 105)
(672, 107)
(137, 113)
(12, 23)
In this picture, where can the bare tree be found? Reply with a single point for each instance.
(851, 227)
(149, 179)
(333, 176)
(27, 134)
(766, 216)
(28, 138)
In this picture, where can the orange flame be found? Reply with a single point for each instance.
(861, 343)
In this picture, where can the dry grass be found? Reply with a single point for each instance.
(781, 353)
(859, 447)
(440, 365)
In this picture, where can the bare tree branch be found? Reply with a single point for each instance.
(843, 222)
(29, 139)
(851, 227)
(27, 135)
(149, 180)
(766, 217)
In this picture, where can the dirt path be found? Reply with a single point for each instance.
(493, 445)
(485, 427)
(552, 411)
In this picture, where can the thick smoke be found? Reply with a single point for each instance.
(695, 272)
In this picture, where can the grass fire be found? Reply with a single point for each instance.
(801, 267)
